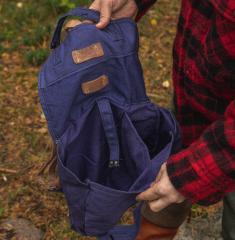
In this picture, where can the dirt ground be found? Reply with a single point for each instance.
(207, 227)
(25, 145)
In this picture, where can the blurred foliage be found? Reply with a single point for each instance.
(27, 25)
(36, 57)
(67, 4)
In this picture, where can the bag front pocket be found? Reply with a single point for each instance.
(87, 152)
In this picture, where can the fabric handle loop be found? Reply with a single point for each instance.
(110, 131)
(85, 13)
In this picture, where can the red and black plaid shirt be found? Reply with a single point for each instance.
(204, 85)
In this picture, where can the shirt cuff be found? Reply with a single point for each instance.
(196, 177)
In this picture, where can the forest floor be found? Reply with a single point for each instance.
(25, 30)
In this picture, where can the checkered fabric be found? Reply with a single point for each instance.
(204, 90)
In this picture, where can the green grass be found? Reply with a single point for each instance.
(1, 212)
(29, 27)
(36, 57)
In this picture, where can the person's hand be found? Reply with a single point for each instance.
(161, 193)
(113, 9)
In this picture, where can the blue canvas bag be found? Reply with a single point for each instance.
(111, 139)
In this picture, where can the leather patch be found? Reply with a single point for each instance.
(95, 85)
(93, 51)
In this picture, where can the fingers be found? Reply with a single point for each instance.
(161, 193)
(148, 195)
(159, 204)
(105, 9)
(113, 8)
(95, 5)
(105, 14)
(125, 8)
(159, 176)
(156, 201)
(151, 193)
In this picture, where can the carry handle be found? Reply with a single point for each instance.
(87, 14)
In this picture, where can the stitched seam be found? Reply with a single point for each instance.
(82, 69)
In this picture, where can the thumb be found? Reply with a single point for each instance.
(105, 14)
(159, 176)
(148, 195)
(95, 5)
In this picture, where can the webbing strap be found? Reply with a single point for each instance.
(110, 131)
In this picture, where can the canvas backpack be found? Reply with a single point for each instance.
(111, 139)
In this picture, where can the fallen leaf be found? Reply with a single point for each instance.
(166, 84)
(153, 22)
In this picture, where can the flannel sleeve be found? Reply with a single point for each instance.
(205, 171)
(143, 6)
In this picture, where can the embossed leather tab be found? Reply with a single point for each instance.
(93, 51)
(95, 85)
